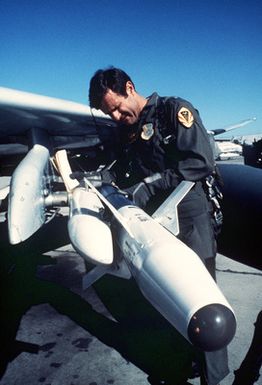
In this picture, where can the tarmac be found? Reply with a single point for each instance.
(67, 353)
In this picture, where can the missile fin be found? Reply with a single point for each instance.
(166, 214)
(93, 275)
(119, 270)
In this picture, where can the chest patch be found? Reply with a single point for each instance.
(147, 131)
(185, 117)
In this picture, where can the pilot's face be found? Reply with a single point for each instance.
(123, 109)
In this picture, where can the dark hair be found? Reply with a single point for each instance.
(111, 78)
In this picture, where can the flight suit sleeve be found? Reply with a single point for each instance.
(192, 145)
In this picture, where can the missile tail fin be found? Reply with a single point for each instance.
(166, 214)
(119, 270)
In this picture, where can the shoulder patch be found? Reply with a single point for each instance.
(185, 117)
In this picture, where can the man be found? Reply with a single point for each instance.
(163, 142)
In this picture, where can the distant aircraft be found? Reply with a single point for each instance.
(43, 126)
(226, 149)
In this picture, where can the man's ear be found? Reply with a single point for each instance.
(130, 89)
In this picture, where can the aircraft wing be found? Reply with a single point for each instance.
(240, 124)
(32, 128)
(68, 124)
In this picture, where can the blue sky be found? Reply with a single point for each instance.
(208, 52)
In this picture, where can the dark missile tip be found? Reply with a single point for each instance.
(212, 327)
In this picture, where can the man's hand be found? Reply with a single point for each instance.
(139, 194)
(143, 191)
(97, 178)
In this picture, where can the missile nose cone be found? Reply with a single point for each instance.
(212, 327)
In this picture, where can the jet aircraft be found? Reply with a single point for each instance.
(41, 137)
(226, 149)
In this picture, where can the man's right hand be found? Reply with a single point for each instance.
(97, 178)
(139, 194)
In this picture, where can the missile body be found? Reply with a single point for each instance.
(172, 277)
(169, 274)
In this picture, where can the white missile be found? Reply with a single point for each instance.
(171, 276)
(90, 236)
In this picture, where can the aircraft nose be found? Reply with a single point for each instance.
(212, 327)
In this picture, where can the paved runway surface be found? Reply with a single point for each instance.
(70, 355)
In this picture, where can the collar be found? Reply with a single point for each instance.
(147, 115)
